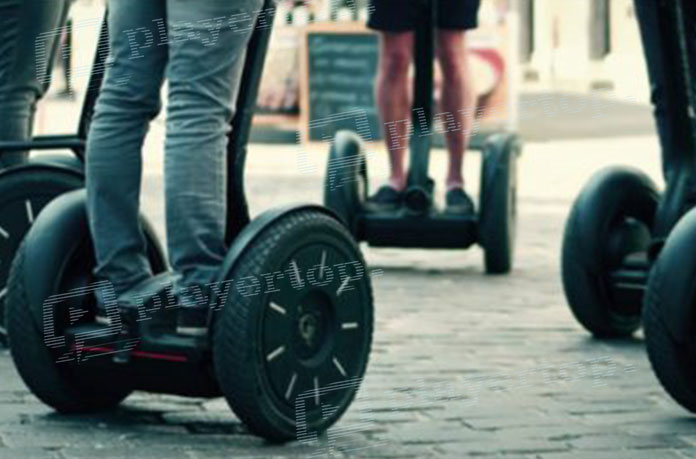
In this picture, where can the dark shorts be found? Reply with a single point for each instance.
(404, 15)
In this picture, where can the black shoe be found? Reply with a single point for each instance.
(386, 199)
(458, 202)
(109, 308)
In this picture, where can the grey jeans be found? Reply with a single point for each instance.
(199, 47)
(29, 37)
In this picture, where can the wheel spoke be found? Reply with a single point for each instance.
(278, 308)
(339, 367)
(291, 385)
(316, 390)
(276, 353)
(30, 211)
(343, 287)
(296, 272)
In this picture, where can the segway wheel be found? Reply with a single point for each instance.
(345, 190)
(669, 312)
(53, 265)
(610, 220)
(24, 191)
(498, 203)
(292, 340)
(64, 160)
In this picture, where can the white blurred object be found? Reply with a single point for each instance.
(300, 16)
(362, 15)
(281, 15)
(344, 14)
(322, 11)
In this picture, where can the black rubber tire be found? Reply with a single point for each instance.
(669, 309)
(237, 336)
(38, 183)
(609, 198)
(63, 160)
(66, 387)
(498, 203)
(346, 185)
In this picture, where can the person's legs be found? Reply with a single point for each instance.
(207, 50)
(129, 100)
(394, 104)
(395, 20)
(394, 99)
(29, 36)
(457, 99)
(455, 17)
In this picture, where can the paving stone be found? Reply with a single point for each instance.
(619, 442)
(463, 364)
(28, 453)
(502, 446)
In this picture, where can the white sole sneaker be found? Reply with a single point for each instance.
(192, 331)
(102, 320)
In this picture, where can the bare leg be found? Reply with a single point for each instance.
(394, 99)
(457, 99)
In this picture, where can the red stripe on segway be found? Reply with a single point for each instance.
(142, 354)
(155, 356)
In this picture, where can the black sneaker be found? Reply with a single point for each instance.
(109, 307)
(386, 199)
(458, 202)
(194, 311)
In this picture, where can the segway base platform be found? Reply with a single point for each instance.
(153, 359)
(435, 230)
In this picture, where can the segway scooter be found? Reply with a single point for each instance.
(418, 223)
(290, 330)
(25, 189)
(619, 222)
(670, 297)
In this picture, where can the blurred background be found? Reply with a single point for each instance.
(575, 48)
(567, 75)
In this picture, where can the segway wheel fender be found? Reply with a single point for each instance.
(69, 161)
(57, 252)
(24, 191)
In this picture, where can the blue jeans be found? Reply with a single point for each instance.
(200, 48)
(29, 38)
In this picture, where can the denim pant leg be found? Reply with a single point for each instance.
(29, 37)
(129, 100)
(206, 55)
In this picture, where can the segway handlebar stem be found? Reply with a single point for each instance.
(422, 110)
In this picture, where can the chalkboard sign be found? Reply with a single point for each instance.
(340, 65)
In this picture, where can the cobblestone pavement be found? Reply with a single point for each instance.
(462, 364)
